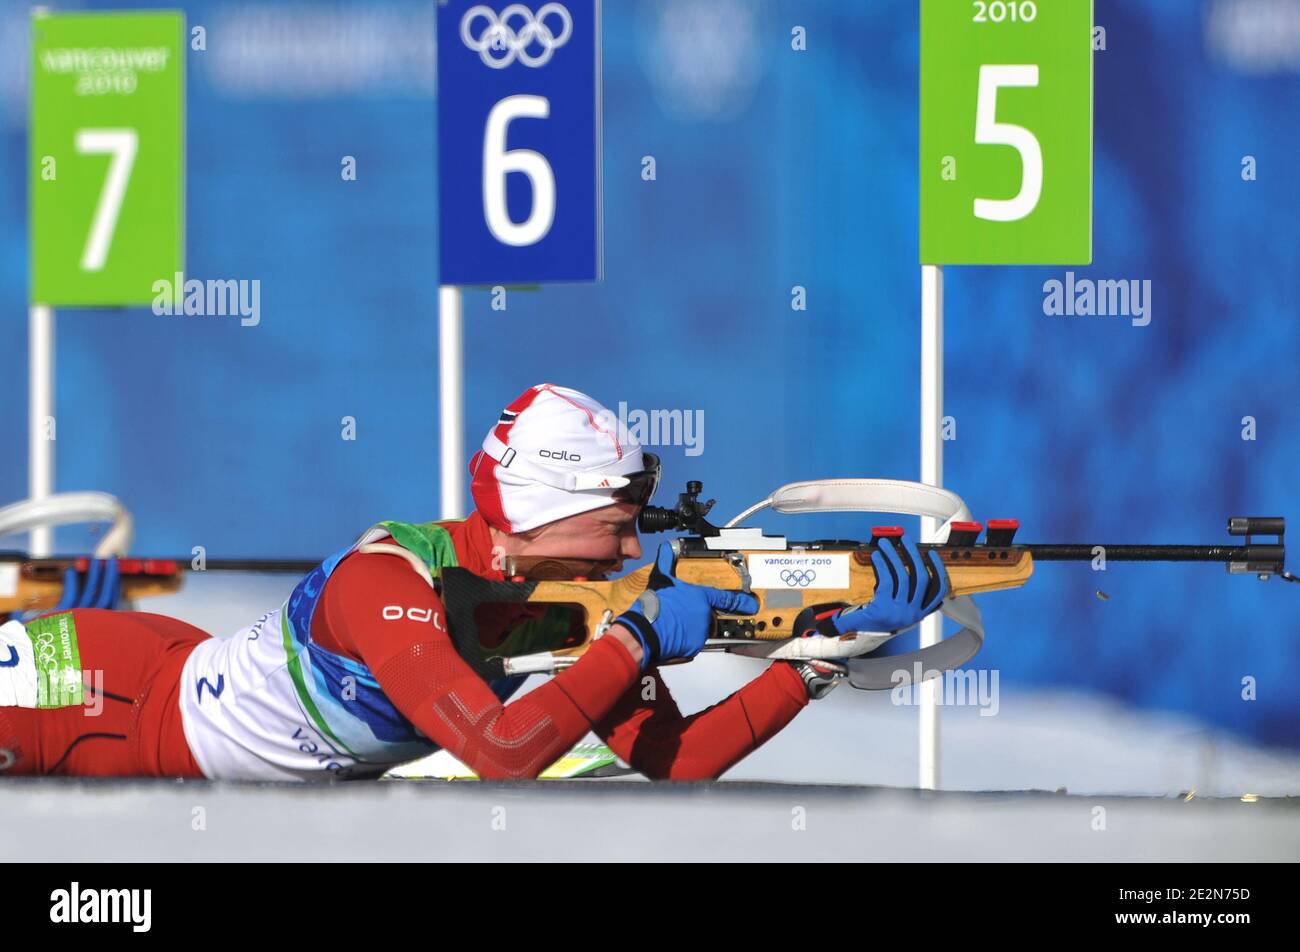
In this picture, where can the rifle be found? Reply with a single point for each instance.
(36, 584)
(794, 582)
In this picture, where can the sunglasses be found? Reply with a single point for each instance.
(642, 484)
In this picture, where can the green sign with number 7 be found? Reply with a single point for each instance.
(107, 156)
(1006, 132)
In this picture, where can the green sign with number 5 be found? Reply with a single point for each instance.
(107, 156)
(1006, 132)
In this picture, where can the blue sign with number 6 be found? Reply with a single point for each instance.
(519, 142)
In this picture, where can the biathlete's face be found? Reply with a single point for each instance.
(602, 538)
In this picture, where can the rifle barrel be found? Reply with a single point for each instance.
(289, 566)
(1159, 553)
(286, 566)
(1049, 552)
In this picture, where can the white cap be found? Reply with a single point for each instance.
(554, 452)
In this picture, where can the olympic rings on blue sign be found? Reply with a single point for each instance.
(499, 43)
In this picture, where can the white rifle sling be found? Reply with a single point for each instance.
(62, 509)
(886, 496)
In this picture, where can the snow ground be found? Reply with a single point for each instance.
(57, 820)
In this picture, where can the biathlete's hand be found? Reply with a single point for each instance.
(900, 599)
(103, 588)
(671, 618)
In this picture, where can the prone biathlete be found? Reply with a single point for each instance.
(357, 673)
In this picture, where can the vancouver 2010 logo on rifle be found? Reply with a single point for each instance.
(499, 35)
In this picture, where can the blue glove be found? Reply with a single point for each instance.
(671, 618)
(103, 588)
(900, 599)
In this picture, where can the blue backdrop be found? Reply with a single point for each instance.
(774, 168)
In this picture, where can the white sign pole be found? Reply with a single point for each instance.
(40, 417)
(932, 473)
(451, 400)
(40, 405)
